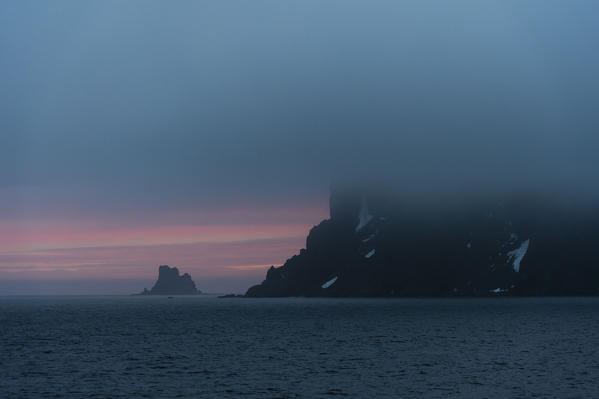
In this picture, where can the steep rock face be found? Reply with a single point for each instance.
(171, 283)
(375, 246)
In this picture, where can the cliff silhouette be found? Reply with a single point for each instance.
(379, 245)
(171, 283)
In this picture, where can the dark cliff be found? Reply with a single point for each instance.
(171, 283)
(380, 246)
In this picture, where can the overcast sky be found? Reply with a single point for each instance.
(127, 116)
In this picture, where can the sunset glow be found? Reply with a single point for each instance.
(101, 249)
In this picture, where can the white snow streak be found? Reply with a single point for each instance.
(518, 254)
(370, 237)
(364, 216)
(329, 283)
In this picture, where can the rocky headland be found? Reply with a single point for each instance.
(380, 245)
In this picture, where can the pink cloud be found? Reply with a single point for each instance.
(248, 257)
(205, 244)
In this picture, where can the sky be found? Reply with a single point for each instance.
(206, 135)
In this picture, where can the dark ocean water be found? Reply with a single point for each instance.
(204, 347)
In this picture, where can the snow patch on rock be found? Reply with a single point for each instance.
(363, 217)
(518, 254)
(329, 283)
(370, 237)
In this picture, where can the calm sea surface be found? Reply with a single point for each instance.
(204, 347)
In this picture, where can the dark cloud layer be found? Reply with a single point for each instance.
(154, 104)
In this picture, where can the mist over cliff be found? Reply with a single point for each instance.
(378, 244)
(174, 109)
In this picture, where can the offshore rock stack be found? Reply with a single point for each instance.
(171, 283)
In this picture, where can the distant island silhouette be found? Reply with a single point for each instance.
(380, 245)
(171, 283)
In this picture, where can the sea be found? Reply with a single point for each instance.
(209, 347)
